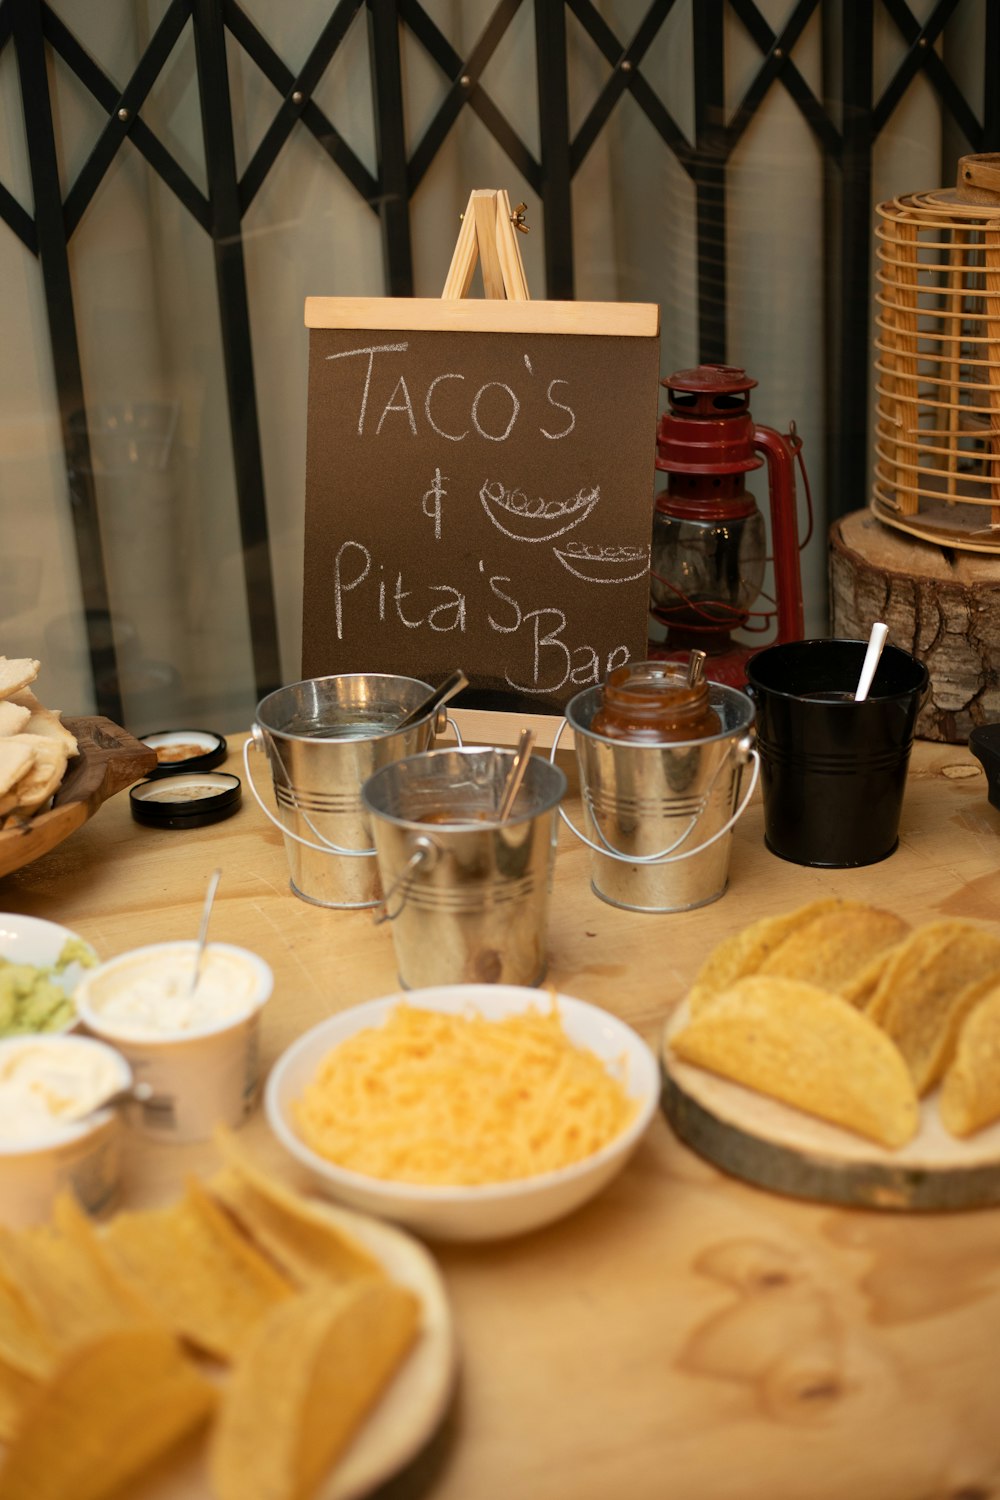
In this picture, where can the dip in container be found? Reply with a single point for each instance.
(197, 1048)
(45, 1080)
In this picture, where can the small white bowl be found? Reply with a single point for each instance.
(84, 1156)
(30, 940)
(469, 1213)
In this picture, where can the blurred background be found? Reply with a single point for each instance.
(176, 176)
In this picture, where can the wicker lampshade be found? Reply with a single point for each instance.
(937, 427)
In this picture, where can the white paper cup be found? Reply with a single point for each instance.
(84, 1157)
(201, 1076)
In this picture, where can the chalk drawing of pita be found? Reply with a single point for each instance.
(622, 564)
(529, 518)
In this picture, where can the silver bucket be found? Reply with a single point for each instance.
(323, 738)
(467, 897)
(660, 817)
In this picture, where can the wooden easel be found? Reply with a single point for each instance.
(488, 235)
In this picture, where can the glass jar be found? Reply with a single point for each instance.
(650, 702)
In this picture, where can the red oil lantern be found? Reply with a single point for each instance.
(709, 549)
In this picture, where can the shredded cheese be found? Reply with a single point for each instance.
(457, 1099)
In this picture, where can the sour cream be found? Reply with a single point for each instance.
(47, 1084)
(149, 994)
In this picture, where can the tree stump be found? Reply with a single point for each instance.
(941, 604)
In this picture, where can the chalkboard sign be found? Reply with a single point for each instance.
(479, 492)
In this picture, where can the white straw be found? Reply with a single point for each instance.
(875, 643)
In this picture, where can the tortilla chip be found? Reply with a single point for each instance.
(16, 1391)
(831, 949)
(203, 1279)
(928, 989)
(809, 1048)
(24, 1345)
(114, 1406)
(71, 1292)
(314, 1369)
(743, 953)
(970, 1093)
(307, 1246)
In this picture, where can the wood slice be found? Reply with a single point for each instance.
(942, 605)
(108, 760)
(787, 1151)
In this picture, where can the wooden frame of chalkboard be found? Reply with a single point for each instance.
(479, 492)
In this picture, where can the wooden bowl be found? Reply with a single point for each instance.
(108, 760)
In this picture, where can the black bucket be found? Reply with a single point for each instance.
(833, 771)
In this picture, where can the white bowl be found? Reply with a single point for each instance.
(82, 1155)
(30, 940)
(469, 1213)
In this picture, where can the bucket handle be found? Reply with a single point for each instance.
(748, 752)
(425, 853)
(255, 741)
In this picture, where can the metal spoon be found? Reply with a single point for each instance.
(452, 685)
(696, 667)
(875, 643)
(515, 775)
(213, 885)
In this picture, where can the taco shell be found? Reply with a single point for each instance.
(810, 1049)
(927, 990)
(970, 1093)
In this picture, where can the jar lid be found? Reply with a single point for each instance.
(186, 799)
(185, 750)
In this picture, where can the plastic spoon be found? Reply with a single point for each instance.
(136, 1093)
(516, 774)
(452, 685)
(213, 885)
(875, 643)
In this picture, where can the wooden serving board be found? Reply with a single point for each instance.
(109, 759)
(787, 1151)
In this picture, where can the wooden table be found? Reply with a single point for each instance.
(685, 1335)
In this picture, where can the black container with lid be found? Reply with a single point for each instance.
(186, 799)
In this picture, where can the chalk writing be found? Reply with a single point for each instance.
(431, 502)
(551, 662)
(495, 423)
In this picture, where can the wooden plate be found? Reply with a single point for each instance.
(780, 1148)
(109, 760)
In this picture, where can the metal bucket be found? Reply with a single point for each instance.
(659, 817)
(467, 896)
(323, 738)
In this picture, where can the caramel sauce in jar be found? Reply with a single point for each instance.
(653, 703)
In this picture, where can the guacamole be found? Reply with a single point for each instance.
(31, 996)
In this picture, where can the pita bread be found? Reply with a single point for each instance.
(13, 718)
(16, 758)
(15, 673)
(47, 769)
(47, 722)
